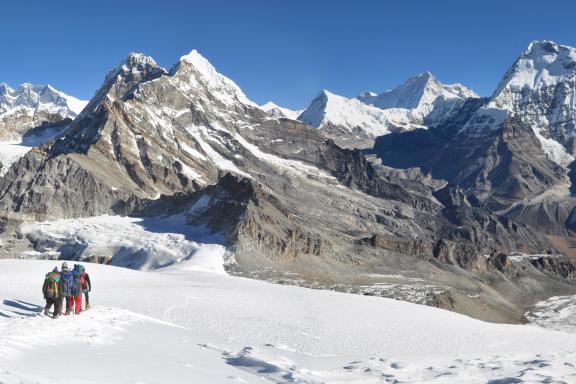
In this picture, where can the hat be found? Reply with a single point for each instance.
(55, 269)
(64, 266)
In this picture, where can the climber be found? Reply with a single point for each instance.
(52, 293)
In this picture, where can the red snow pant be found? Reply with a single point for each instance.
(77, 303)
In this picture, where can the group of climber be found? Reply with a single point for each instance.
(66, 287)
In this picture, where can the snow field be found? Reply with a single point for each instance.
(215, 328)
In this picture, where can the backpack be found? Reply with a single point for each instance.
(76, 288)
(78, 268)
(66, 284)
(51, 285)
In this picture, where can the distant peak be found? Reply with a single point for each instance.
(5, 88)
(269, 105)
(326, 93)
(196, 68)
(34, 96)
(542, 64)
(28, 86)
(201, 64)
(425, 75)
(135, 59)
(134, 67)
(366, 94)
(194, 57)
(134, 63)
(421, 79)
(538, 46)
(277, 111)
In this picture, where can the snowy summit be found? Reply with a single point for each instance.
(420, 102)
(277, 111)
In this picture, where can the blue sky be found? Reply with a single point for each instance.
(285, 51)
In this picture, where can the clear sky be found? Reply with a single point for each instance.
(284, 51)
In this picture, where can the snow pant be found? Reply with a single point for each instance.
(57, 302)
(86, 298)
(67, 303)
(77, 303)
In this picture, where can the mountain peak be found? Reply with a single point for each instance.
(199, 72)
(418, 92)
(539, 90)
(269, 105)
(330, 111)
(540, 46)
(134, 65)
(33, 96)
(543, 63)
(426, 76)
(366, 94)
(201, 64)
(135, 59)
(277, 111)
(327, 94)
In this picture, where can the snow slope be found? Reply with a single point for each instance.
(12, 150)
(179, 324)
(558, 312)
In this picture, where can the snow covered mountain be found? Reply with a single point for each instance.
(540, 88)
(277, 111)
(513, 152)
(428, 100)
(421, 101)
(285, 201)
(343, 119)
(30, 106)
(29, 116)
